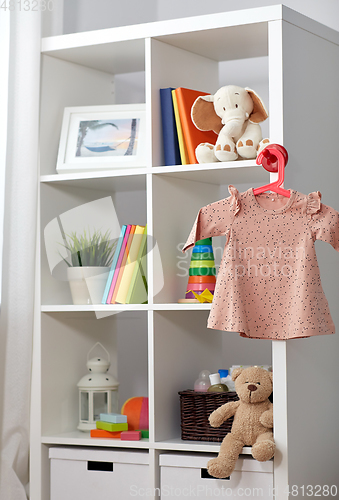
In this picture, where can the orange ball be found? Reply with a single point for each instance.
(136, 410)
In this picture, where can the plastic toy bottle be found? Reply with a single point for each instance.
(203, 382)
(216, 385)
(227, 379)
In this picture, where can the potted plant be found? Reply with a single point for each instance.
(88, 265)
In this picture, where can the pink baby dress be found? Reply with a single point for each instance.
(268, 284)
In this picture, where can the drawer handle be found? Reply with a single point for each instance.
(101, 466)
(206, 475)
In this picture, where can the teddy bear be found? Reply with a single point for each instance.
(234, 113)
(253, 421)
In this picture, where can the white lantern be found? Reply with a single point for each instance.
(98, 391)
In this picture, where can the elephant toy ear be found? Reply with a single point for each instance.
(259, 113)
(203, 115)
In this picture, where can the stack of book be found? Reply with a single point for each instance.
(110, 425)
(126, 282)
(115, 426)
(180, 135)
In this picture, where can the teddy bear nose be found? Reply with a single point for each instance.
(252, 388)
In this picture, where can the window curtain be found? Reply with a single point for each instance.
(19, 240)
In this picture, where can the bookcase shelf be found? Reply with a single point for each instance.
(243, 171)
(78, 439)
(115, 180)
(133, 179)
(70, 308)
(159, 348)
(175, 306)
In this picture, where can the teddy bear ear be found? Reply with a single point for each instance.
(203, 115)
(259, 113)
(236, 372)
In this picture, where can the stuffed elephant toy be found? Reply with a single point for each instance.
(234, 113)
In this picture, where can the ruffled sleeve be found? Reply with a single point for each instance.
(313, 203)
(323, 220)
(215, 219)
(235, 202)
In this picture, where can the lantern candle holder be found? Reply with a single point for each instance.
(98, 391)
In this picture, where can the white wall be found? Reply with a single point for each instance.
(326, 11)
(83, 15)
(71, 16)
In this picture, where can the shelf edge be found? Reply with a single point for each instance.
(162, 28)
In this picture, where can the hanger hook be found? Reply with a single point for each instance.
(269, 160)
(273, 158)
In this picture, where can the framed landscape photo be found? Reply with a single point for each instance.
(102, 138)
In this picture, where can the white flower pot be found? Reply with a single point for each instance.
(87, 284)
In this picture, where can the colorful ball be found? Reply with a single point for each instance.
(136, 410)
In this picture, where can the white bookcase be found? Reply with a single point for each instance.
(158, 349)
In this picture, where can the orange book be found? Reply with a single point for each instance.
(192, 136)
(182, 145)
(123, 263)
(99, 433)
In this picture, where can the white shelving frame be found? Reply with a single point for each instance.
(161, 52)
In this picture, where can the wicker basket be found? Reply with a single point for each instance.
(195, 409)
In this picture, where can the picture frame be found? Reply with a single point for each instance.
(95, 138)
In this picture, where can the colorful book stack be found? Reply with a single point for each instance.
(110, 425)
(180, 135)
(126, 282)
(202, 271)
(115, 426)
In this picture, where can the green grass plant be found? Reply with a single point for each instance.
(88, 249)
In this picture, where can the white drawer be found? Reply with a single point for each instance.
(184, 476)
(87, 474)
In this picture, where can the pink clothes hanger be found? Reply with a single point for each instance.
(273, 158)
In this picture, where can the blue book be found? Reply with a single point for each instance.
(113, 418)
(169, 128)
(114, 263)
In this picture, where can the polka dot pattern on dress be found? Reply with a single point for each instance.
(268, 284)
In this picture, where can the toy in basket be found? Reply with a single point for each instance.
(201, 281)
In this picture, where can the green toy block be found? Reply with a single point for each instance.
(202, 271)
(202, 263)
(106, 426)
(205, 241)
(202, 256)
